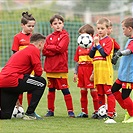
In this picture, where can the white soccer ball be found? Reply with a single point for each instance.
(102, 111)
(85, 40)
(18, 112)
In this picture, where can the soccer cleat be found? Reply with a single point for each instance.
(95, 115)
(82, 115)
(49, 114)
(130, 120)
(71, 114)
(102, 117)
(32, 116)
(109, 120)
(127, 116)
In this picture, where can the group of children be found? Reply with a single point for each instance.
(93, 69)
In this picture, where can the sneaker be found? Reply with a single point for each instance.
(130, 120)
(127, 116)
(109, 120)
(102, 117)
(95, 115)
(49, 114)
(32, 116)
(71, 114)
(82, 115)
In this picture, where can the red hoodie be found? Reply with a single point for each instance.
(56, 52)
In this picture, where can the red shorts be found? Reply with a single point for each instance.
(58, 83)
(125, 85)
(103, 89)
(84, 73)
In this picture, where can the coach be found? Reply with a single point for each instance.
(15, 78)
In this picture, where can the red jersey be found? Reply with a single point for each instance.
(116, 45)
(20, 63)
(20, 40)
(56, 52)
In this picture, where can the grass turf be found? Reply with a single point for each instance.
(61, 123)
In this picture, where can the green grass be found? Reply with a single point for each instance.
(60, 123)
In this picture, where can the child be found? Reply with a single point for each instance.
(83, 69)
(22, 40)
(125, 72)
(102, 52)
(56, 64)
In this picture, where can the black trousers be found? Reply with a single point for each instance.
(34, 85)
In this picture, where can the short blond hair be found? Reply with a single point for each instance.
(105, 21)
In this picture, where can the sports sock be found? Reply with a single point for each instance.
(68, 101)
(95, 100)
(51, 99)
(111, 104)
(29, 96)
(118, 97)
(20, 98)
(84, 101)
(129, 105)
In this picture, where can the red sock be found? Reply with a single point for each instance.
(101, 99)
(68, 101)
(29, 96)
(118, 97)
(20, 98)
(111, 104)
(95, 100)
(84, 101)
(129, 105)
(51, 99)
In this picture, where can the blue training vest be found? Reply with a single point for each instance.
(125, 71)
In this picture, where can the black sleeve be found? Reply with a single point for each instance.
(92, 52)
(101, 50)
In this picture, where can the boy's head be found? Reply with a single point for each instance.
(27, 23)
(86, 29)
(57, 22)
(38, 40)
(102, 27)
(127, 26)
(110, 29)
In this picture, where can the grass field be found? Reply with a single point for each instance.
(61, 123)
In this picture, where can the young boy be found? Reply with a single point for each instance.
(83, 70)
(15, 79)
(125, 72)
(22, 40)
(102, 52)
(56, 64)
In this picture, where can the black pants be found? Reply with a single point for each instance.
(34, 85)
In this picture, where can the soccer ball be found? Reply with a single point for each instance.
(102, 111)
(85, 40)
(18, 112)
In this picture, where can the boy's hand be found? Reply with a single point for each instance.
(96, 40)
(92, 77)
(75, 77)
(116, 57)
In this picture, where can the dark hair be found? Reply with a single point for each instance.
(86, 29)
(37, 37)
(128, 22)
(26, 17)
(59, 17)
(105, 21)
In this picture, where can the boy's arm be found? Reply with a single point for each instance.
(119, 54)
(75, 72)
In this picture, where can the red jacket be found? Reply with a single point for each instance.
(56, 52)
(20, 63)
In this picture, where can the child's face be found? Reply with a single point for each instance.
(29, 27)
(110, 30)
(127, 31)
(57, 25)
(102, 30)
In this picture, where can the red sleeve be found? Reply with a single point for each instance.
(61, 47)
(116, 45)
(36, 62)
(76, 56)
(108, 46)
(130, 46)
(15, 44)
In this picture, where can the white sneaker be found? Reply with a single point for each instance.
(109, 120)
